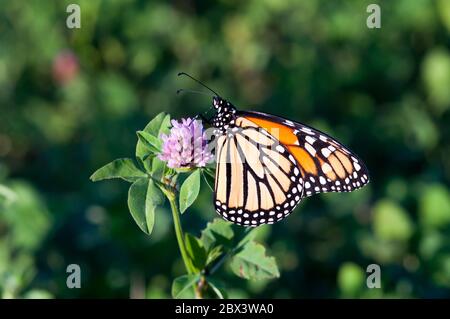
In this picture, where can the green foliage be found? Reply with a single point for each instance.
(391, 222)
(217, 288)
(248, 259)
(158, 125)
(25, 221)
(27, 215)
(143, 199)
(189, 190)
(183, 286)
(436, 73)
(7, 196)
(145, 195)
(351, 279)
(218, 232)
(435, 206)
(382, 92)
(123, 168)
(152, 143)
(252, 263)
(196, 251)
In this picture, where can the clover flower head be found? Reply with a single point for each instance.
(186, 145)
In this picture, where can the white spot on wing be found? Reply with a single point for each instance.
(310, 140)
(326, 152)
(310, 149)
(290, 123)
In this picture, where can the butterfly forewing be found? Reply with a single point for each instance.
(257, 180)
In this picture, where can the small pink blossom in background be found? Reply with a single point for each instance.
(186, 145)
(65, 67)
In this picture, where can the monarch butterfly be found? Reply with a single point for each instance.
(266, 164)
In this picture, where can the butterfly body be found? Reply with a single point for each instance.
(267, 164)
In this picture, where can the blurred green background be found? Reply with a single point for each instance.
(71, 100)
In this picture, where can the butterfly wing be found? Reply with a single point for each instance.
(257, 179)
(325, 164)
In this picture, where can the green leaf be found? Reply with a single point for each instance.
(7, 195)
(153, 143)
(434, 208)
(189, 190)
(252, 263)
(350, 279)
(123, 168)
(208, 179)
(159, 124)
(217, 288)
(158, 168)
(143, 199)
(219, 232)
(183, 287)
(436, 76)
(196, 251)
(213, 254)
(391, 221)
(164, 128)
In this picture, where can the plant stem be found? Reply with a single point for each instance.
(179, 231)
(198, 290)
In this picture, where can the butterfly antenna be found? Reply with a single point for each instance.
(191, 91)
(202, 84)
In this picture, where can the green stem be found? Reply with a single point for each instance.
(179, 231)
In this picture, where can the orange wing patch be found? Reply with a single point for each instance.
(304, 159)
(281, 132)
(286, 136)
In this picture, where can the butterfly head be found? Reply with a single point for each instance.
(225, 114)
